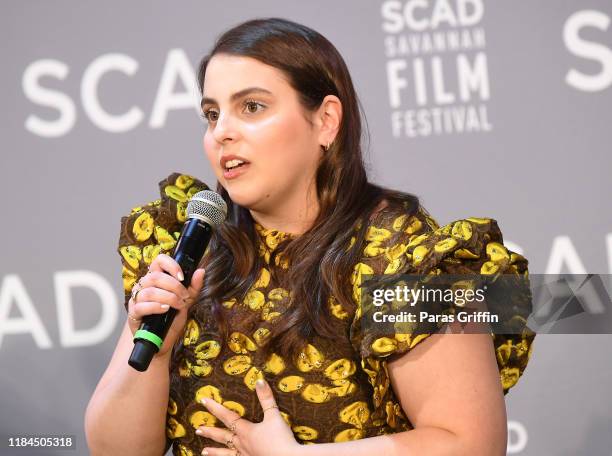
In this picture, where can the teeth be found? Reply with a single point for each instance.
(232, 163)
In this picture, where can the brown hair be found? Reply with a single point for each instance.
(320, 264)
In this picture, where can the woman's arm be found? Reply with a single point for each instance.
(449, 388)
(127, 412)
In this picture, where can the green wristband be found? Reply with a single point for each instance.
(147, 335)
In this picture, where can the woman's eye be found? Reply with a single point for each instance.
(252, 104)
(209, 115)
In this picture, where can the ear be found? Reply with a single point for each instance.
(328, 119)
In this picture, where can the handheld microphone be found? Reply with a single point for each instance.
(205, 210)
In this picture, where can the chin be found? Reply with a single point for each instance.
(254, 201)
(244, 198)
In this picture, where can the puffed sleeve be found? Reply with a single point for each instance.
(154, 228)
(416, 244)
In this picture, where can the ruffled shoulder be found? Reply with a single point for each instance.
(417, 244)
(154, 228)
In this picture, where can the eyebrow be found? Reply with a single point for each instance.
(236, 95)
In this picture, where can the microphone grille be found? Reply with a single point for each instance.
(207, 206)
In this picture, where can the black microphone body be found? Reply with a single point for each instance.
(188, 252)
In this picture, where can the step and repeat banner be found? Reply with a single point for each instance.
(482, 108)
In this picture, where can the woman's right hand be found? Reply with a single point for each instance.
(161, 287)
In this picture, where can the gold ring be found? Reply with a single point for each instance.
(136, 295)
(271, 407)
(232, 426)
(230, 443)
(132, 318)
(135, 291)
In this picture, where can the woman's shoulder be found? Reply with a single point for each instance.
(397, 220)
(402, 216)
(400, 237)
(392, 226)
(175, 190)
(153, 228)
(402, 241)
(167, 211)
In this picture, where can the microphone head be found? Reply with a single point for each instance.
(207, 206)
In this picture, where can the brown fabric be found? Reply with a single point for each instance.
(336, 390)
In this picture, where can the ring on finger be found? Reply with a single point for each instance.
(132, 318)
(271, 407)
(232, 426)
(230, 443)
(135, 297)
(136, 290)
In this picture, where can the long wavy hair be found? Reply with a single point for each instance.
(320, 264)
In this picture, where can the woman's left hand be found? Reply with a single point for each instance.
(271, 437)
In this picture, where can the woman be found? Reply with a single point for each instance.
(267, 353)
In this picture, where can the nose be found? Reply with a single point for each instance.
(224, 130)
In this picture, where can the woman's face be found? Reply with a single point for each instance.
(264, 127)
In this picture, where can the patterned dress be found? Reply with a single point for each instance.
(335, 390)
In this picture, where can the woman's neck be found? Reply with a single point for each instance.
(289, 217)
(283, 223)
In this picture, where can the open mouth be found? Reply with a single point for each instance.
(234, 164)
(234, 168)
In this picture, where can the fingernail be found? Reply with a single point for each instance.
(180, 276)
(203, 401)
(165, 306)
(259, 384)
(199, 431)
(205, 452)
